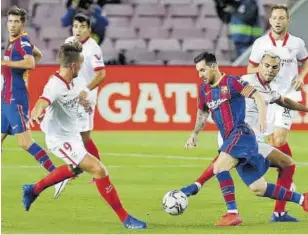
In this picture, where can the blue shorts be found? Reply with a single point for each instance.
(14, 118)
(242, 144)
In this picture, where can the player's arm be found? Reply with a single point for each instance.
(38, 111)
(98, 79)
(302, 57)
(254, 58)
(291, 104)
(37, 54)
(27, 63)
(261, 108)
(252, 67)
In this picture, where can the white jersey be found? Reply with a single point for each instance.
(291, 50)
(252, 113)
(61, 115)
(93, 61)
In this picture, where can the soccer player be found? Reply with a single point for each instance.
(291, 50)
(91, 75)
(61, 100)
(224, 96)
(18, 59)
(267, 72)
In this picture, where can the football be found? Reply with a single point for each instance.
(175, 202)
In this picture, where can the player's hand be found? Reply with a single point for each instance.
(86, 104)
(191, 142)
(3, 63)
(35, 117)
(83, 94)
(298, 83)
(262, 126)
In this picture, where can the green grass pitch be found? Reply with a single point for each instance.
(143, 167)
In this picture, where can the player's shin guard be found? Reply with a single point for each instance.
(92, 149)
(109, 193)
(41, 156)
(285, 179)
(278, 192)
(57, 175)
(207, 174)
(227, 189)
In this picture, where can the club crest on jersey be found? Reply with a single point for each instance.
(224, 89)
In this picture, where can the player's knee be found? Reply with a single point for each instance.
(25, 144)
(99, 171)
(258, 188)
(279, 140)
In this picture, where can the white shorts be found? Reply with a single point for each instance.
(70, 150)
(86, 121)
(279, 117)
(264, 148)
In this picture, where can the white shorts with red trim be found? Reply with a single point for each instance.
(70, 150)
(279, 117)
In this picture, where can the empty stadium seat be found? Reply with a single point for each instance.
(120, 32)
(183, 10)
(118, 10)
(150, 10)
(140, 55)
(146, 21)
(129, 44)
(169, 2)
(164, 45)
(54, 33)
(178, 23)
(116, 21)
(173, 55)
(153, 32)
(197, 44)
(181, 33)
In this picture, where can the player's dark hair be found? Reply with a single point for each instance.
(69, 53)
(16, 11)
(209, 58)
(80, 17)
(281, 7)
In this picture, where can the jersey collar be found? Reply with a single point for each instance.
(216, 83)
(20, 35)
(85, 40)
(62, 79)
(286, 37)
(261, 81)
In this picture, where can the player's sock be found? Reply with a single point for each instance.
(92, 149)
(57, 175)
(207, 174)
(277, 192)
(41, 156)
(285, 179)
(109, 193)
(227, 189)
(285, 149)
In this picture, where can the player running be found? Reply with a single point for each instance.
(224, 96)
(18, 59)
(91, 75)
(61, 100)
(268, 70)
(291, 50)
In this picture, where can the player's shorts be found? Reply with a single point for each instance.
(242, 144)
(279, 117)
(70, 150)
(263, 148)
(14, 118)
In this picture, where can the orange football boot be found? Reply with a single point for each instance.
(230, 219)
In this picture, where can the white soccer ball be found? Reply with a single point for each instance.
(175, 202)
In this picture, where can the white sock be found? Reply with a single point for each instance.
(198, 185)
(301, 200)
(232, 211)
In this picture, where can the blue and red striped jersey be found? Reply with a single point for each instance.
(226, 102)
(14, 87)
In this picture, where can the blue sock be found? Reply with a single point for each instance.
(278, 192)
(227, 189)
(41, 156)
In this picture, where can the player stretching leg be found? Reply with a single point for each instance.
(91, 75)
(61, 100)
(267, 72)
(18, 59)
(290, 49)
(224, 96)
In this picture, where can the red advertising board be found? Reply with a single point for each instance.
(148, 97)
